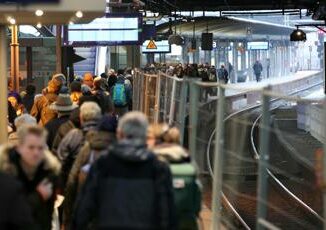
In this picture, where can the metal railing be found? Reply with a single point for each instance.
(199, 108)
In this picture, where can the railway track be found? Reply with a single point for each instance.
(285, 209)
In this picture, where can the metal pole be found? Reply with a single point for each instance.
(14, 69)
(218, 161)
(324, 161)
(58, 49)
(3, 85)
(183, 110)
(157, 98)
(264, 137)
(194, 99)
(172, 105)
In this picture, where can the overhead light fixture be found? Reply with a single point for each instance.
(39, 25)
(79, 14)
(298, 36)
(39, 13)
(176, 40)
(71, 23)
(11, 20)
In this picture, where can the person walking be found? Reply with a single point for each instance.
(223, 75)
(15, 212)
(258, 69)
(20, 121)
(129, 188)
(28, 99)
(37, 169)
(90, 114)
(63, 107)
(40, 109)
(121, 95)
(97, 144)
(165, 143)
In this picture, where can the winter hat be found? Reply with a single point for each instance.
(63, 104)
(59, 77)
(108, 123)
(85, 89)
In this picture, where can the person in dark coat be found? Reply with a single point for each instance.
(37, 169)
(223, 75)
(28, 99)
(64, 129)
(129, 188)
(258, 69)
(15, 212)
(90, 114)
(97, 144)
(63, 106)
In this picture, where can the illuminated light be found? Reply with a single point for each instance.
(79, 14)
(39, 25)
(12, 21)
(71, 23)
(39, 13)
(299, 33)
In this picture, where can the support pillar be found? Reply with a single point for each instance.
(235, 63)
(58, 49)
(14, 64)
(3, 85)
(29, 64)
(133, 56)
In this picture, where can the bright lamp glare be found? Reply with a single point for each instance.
(39, 13)
(79, 14)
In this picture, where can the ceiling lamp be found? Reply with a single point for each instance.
(79, 14)
(39, 13)
(298, 36)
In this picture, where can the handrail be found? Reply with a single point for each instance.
(257, 157)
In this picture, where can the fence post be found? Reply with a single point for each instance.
(218, 160)
(157, 98)
(264, 137)
(172, 105)
(194, 97)
(165, 99)
(183, 109)
(324, 160)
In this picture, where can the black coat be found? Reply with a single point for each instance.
(53, 127)
(15, 212)
(127, 189)
(49, 169)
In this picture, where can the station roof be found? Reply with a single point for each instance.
(219, 5)
(230, 28)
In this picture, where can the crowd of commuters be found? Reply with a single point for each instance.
(76, 158)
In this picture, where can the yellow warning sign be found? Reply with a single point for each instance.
(151, 45)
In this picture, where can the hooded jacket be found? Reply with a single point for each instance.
(97, 143)
(48, 169)
(127, 189)
(41, 110)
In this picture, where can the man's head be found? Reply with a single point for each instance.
(25, 119)
(121, 72)
(90, 111)
(88, 80)
(133, 126)
(31, 145)
(222, 66)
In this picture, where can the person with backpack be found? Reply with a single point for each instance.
(129, 188)
(121, 95)
(223, 75)
(165, 143)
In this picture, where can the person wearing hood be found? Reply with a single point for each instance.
(40, 109)
(165, 143)
(36, 169)
(129, 188)
(90, 114)
(97, 144)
